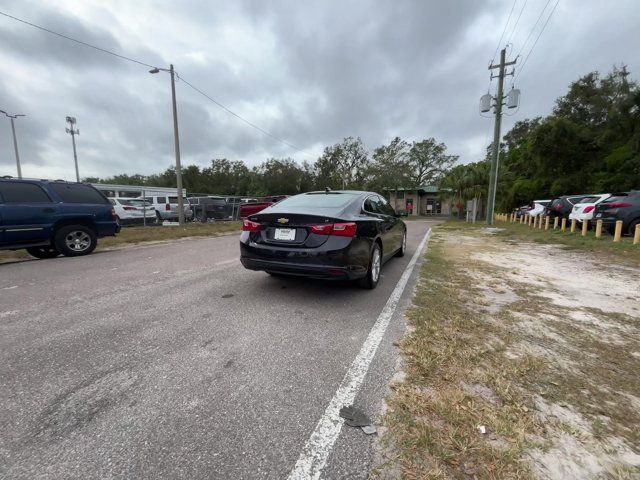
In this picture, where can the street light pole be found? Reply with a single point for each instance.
(72, 121)
(15, 141)
(176, 140)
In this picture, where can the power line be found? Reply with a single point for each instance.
(76, 40)
(536, 42)
(533, 28)
(122, 57)
(504, 30)
(517, 21)
(242, 118)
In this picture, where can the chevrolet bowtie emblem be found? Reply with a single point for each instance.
(283, 220)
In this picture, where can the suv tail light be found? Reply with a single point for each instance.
(336, 229)
(618, 205)
(557, 206)
(114, 217)
(167, 207)
(588, 208)
(249, 226)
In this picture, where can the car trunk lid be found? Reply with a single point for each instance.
(302, 229)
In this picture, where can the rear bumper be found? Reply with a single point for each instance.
(107, 229)
(350, 272)
(338, 258)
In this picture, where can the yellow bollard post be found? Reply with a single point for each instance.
(598, 228)
(618, 232)
(540, 223)
(573, 225)
(534, 222)
(555, 223)
(546, 223)
(564, 225)
(585, 225)
(636, 236)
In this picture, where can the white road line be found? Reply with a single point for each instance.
(10, 288)
(317, 449)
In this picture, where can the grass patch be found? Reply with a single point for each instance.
(137, 235)
(458, 378)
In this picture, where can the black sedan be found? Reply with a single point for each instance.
(342, 234)
(619, 206)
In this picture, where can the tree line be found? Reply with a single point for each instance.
(589, 144)
(345, 165)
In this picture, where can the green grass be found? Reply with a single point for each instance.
(137, 235)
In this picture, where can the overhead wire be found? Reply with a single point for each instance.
(129, 59)
(503, 31)
(536, 41)
(533, 28)
(517, 21)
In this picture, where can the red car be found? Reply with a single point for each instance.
(251, 208)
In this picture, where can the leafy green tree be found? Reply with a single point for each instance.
(343, 165)
(428, 161)
(389, 166)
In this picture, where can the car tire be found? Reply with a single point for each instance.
(403, 248)
(370, 281)
(43, 252)
(158, 218)
(75, 240)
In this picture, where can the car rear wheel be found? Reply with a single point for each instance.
(370, 281)
(75, 240)
(43, 252)
(632, 227)
(403, 248)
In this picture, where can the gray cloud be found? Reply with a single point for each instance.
(311, 73)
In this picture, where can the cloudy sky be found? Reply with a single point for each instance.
(310, 73)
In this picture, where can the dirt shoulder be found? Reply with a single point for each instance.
(521, 361)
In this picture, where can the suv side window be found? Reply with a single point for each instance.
(18, 192)
(75, 193)
(161, 199)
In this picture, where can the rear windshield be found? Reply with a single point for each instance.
(587, 200)
(319, 200)
(134, 202)
(76, 193)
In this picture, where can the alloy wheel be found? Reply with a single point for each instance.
(77, 241)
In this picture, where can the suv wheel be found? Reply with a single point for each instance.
(373, 274)
(43, 252)
(158, 218)
(75, 240)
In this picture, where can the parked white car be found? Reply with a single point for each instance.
(132, 210)
(538, 207)
(166, 207)
(584, 210)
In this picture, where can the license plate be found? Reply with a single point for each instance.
(285, 234)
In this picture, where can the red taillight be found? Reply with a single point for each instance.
(344, 229)
(618, 205)
(114, 217)
(588, 208)
(557, 206)
(249, 226)
(337, 229)
(322, 229)
(167, 207)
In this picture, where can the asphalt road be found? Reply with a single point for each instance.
(173, 361)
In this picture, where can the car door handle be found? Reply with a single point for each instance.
(48, 210)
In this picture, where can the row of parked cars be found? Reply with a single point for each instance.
(158, 208)
(608, 207)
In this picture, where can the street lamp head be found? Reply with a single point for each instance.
(154, 70)
(71, 120)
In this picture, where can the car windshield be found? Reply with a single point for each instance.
(588, 200)
(318, 200)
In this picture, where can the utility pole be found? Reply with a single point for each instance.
(176, 140)
(72, 121)
(15, 141)
(493, 178)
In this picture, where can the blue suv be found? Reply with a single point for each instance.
(50, 218)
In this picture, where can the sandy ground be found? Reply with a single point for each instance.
(581, 314)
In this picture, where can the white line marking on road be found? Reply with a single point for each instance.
(8, 313)
(10, 288)
(317, 449)
(233, 260)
